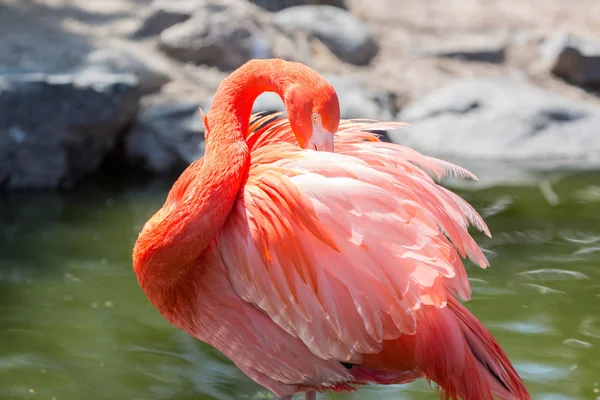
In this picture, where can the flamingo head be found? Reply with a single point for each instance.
(314, 114)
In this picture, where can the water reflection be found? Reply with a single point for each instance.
(75, 325)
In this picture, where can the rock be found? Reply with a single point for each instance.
(278, 5)
(270, 102)
(56, 129)
(167, 138)
(484, 49)
(573, 58)
(343, 34)
(227, 34)
(151, 71)
(501, 120)
(163, 14)
(357, 100)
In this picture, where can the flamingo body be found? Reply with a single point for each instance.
(325, 270)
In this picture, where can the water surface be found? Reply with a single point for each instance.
(75, 325)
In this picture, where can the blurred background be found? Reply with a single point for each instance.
(98, 116)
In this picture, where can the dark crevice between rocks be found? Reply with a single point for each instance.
(558, 115)
(119, 168)
(4, 184)
(592, 90)
(278, 5)
(115, 174)
(470, 107)
(554, 116)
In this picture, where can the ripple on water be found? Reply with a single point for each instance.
(553, 274)
(587, 250)
(489, 253)
(554, 396)
(523, 237)
(29, 361)
(478, 281)
(15, 273)
(525, 327)
(590, 194)
(538, 372)
(543, 289)
(499, 205)
(580, 237)
(150, 350)
(492, 290)
(577, 344)
(590, 327)
(559, 259)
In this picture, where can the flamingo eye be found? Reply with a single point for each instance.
(315, 117)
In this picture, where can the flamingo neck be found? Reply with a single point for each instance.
(199, 203)
(232, 105)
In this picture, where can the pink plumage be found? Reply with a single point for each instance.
(324, 270)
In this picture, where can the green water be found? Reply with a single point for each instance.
(75, 325)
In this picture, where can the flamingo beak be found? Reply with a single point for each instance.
(321, 139)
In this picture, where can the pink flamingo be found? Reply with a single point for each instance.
(320, 270)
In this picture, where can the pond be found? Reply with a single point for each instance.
(75, 325)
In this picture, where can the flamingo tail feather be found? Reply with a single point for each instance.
(470, 364)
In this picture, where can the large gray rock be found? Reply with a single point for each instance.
(501, 120)
(573, 58)
(55, 129)
(343, 34)
(151, 71)
(484, 49)
(167, 138)
(357, 100)
(227, 34)
(163, 14)
(278, 5)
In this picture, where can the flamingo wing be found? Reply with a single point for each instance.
(342, 249)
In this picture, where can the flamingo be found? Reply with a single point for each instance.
(316, 261)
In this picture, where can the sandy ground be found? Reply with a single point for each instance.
(58, 33)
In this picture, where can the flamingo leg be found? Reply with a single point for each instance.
(312, 395)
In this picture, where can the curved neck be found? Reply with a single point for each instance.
(232, 104)
(199, 203)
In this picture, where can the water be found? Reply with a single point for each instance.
(75, 325)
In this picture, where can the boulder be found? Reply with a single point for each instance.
(575, 59)
(166, 139)
(163, 14)
(343, 34)
(151, 71)
(502, 120)
(278, 5)
(357, 100)
(482, 49)
(227, 34)
(56, 129)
